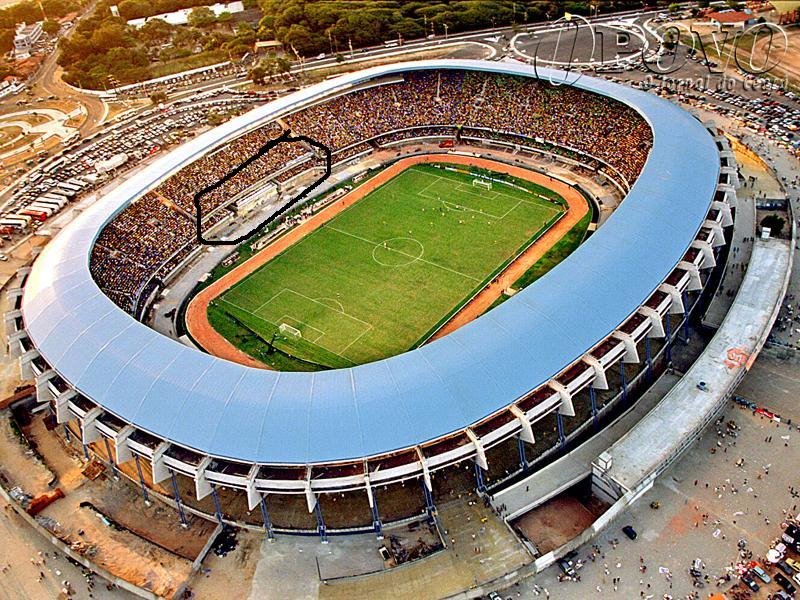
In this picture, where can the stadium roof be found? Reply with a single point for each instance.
(232, 411)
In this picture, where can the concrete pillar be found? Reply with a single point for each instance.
(63, 413)
(202, 487)
(89, 431)
(254, 497)
(656, 324)
(695, 283)
(600, 381)
(157, 466)
(526, 431)
(43, 393)
(10, 322)
(480, 455)
(719, 235)
(122, 445)
(631, 355)
(426, 474)
(311, 497)
(25, 368)
(676, 307)
(373, 506)
(709, 261)
(725, 209)
(566, 407)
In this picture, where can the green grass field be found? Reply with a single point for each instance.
(383, 275)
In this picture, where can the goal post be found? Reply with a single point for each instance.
(482, 183)
(289, 331)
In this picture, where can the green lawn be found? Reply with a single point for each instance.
(383, 275)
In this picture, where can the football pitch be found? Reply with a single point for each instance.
(383, 275)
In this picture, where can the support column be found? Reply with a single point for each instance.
(110, 458)
(686, 320)
(479, 478)
(430, 507)
(480, 455)
(323, 533)
(85, 451)
(373, 506)
(523, 460)
(593, 399)
(266, 519)
(217, 508)
(177, 494)
(67, 435)
(146, 496)
(560, 424)
(623, 382)
(649, 359)
(668, 326)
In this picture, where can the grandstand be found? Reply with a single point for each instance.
(443, 103)
(356, 448)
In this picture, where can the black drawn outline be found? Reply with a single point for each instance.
(287, 137)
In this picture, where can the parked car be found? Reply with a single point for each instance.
(630, 532)
(785, 568)
(785, 584)
(566, 566)
(761, 574)
(793, 563)
(748, 580)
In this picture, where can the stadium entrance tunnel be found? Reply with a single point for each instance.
(280, 157)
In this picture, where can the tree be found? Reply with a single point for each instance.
(158, 97)
(775, 224)
(258, 75)
(156, 31)
(51, 27)
(202, 16)
(674, 8)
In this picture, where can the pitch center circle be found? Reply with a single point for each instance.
(398, 252)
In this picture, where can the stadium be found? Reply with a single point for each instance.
(389, 418)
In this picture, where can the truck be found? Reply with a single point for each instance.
(35, 214)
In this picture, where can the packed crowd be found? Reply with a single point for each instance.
(153, 235)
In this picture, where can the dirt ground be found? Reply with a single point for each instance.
(207, 337)
(229, 576)
(556, 522)
(116, 549)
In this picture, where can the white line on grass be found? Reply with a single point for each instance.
(428, 262)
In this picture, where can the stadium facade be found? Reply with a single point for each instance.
(176, 412)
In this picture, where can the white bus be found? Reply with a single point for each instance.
(69, 189)
(57, 196)
(51, 203)
(42, 207)
(77, 182)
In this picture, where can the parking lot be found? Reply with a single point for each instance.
(737, 483)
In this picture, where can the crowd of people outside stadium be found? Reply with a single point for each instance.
(155, 233)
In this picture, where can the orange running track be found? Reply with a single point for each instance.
(212, 342)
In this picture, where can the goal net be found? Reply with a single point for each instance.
(289, 331)
(482, 183)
